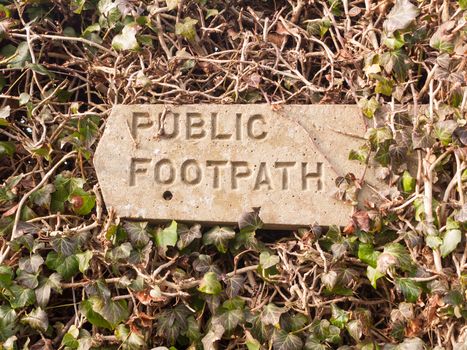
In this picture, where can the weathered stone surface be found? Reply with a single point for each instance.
(210, 163)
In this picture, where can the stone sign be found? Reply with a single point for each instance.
(210, 163)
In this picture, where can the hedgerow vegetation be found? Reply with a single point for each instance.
(75, 276)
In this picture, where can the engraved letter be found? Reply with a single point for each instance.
(250, 125)
(194, 121)
(285, 172)
(167, 176)
(263, 177)
(173, 131)
(216, 172)
(194, 176)
(214, 131)
(318, 175)
(238, 126)
(135, 169)
(139, 120)
(239, 174)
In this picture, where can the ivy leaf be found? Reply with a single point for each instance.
(186, 28)
(187, 235)
(339, 317)
(31, 264)
(82, 202)
(266, 260)
(130, 340)
(250, 221)
(408, 182)
(444, 130)
(395, 62)
(7, 148)
(45, 287)
(394, 254)
(215, 333)
(65, 245)
(114, 312)
(8, 325)
(20, 297)
(230, 314)
(88, 307)
(286, 341)
(251, 343)
(409, 288)
(373, 275)
(20, 57)
(6, 276)
(271, 314)
(368, 106)
(67, 267)
(127, 39)
(83, 260)
(400, 16)
(367, 254)
(138, 233)
(4, 113)
(234, 285)
(168, 236)
(42, 197)
(37, 319)
(40, 69)
(314, 344)
(210, 284)
(64, 184)
(355, 329)
(120, 252)
(450, 241)
(26, 279)
(219, 236)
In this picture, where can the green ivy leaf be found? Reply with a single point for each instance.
(408, 182)
(186, 28)
(219, 236)
(37, 319)
(19, 297)
(138, 233)
(210, 284)
(168, 236)
(444, 130)
(88, 308)
(266, 260)
(271, 314)
(339, 317)
(368, 106)
(450, 241)
(40, 69)
(355, 329)
(368, 254)
(231, 314)
(250, 221)
(6, 276)
(127, 39)
(409, 288)
(82, 202)
(8, 325)
(373, 275)
(187, 235)
(7, 148)
(83, 260)
(45, 287)
(286, 341)
(130, 340)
